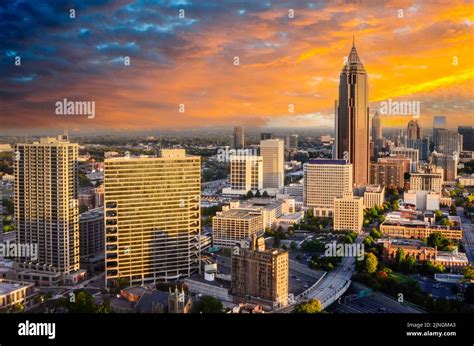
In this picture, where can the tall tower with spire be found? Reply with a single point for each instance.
(352, 118)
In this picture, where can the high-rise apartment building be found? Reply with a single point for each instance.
(46, 201)
(273, 156)
(238, 139)
(246, 174)
(324, 180)
(414, 130)
(348, 213)
(260, 273)
(91, 232)
(352, 118)
(387, 173)
(152, 217)
(376, 127)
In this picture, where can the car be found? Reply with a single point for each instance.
(381, 309)
(297, 279)
(293, 277)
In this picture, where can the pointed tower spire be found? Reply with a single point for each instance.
(353, 40)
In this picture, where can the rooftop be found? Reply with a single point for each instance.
(327, 162)
(242, 214)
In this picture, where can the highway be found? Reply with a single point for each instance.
(333, 285)
(468, 238)
(336, 282)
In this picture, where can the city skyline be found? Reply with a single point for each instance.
(286, 76)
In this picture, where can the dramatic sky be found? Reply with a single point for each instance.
(412, 51)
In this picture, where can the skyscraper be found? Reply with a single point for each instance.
(413, 130)
(325, 180)
(246, 174)
(292, 143)
(439, 123)
(273, 155)
(376, 127)
(448, 142)
(266, 135)
(152, 217)
(467, 133)
(449, 163)
(46, 201)
(352, 118)
(238, 140)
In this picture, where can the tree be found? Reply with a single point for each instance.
(8, 205)
(257, 194)
(293, 245)
(399, 258)
(468, 272)
(446, 222)
(452, 210)
(438, 215)
(370, 263)
(207, 305)
(250, 194)
(312, 307)
(368, 240)
(410, 264)
(433, 267)
(265, 194)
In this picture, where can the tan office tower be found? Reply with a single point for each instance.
(352, 118)
(273, 155)
(246, 174)
(46, 201)
(376, 127)
(324, 180)
(152, 217)
(413, 130)
(260, 273)
(348, 213)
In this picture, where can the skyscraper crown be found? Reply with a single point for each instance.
(353, 61)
